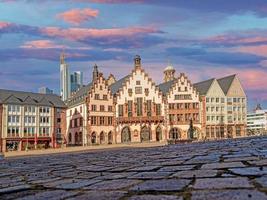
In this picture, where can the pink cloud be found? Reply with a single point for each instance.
(77, 16)
(83, 33)
(41, 44)
(260, 50)
(4, 24)
(232, 39)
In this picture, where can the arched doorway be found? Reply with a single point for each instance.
(80, 138)
(193, 133)
(175, 134)
(70, 138)
(76, 139)
(158, 134)
(126, 135)
(110, 138)
(145, 134)
(229, 132)
(102, 137)
(93, 138)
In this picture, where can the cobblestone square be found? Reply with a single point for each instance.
(226, 169)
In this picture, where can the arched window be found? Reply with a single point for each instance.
(175, 134)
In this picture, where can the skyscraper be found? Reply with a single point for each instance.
(76, 81)
(45, 90)
(64, 79)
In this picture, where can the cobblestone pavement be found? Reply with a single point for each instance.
(229, 169)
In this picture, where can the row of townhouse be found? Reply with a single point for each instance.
(135, 109)
(132, 109)
(30, 120)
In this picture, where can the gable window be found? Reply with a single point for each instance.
(139, 106)
(158, 109)
(120, 110)
(93, 107)
(149, 103)
(102, 108)
(138, 90)
(96, 96)
(130, 108)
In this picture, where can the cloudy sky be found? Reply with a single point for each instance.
(204, 39)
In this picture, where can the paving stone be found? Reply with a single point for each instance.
(195, 173)
(103, 195)
(51, 195)
(113, 184)
(176, 168)
(241, 159)
(155, 197)
(111, 176)
(262, 162)
(249, 171)
(222, 165)
(71, 183)
(161, 185)
(144, 168)
(16, 188)
(262, 181)
(150, 175)
(203, 159)
(222, 183)
(228, 195)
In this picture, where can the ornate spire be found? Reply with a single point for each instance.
(95, 73)
(137, 62)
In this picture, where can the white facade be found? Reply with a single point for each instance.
(257, 120)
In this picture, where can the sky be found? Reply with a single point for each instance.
(204, 39)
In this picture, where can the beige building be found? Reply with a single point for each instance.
(139, 107)
(225, 107)
(30, 120)
(90, 113)
(182, 107)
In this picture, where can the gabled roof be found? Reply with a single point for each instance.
(115, 87)
(165, 87)
(226, 82)
(29, 98)
(80, 95)
(204, 86)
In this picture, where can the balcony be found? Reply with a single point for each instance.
(153, 119)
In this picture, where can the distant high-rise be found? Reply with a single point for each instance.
(76, 81)
(64, 79)
(45, 90)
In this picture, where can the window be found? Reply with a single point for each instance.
(130, 92)
(138, 90)
(102, 108)
(110, 108)
(179, 89)
(58, 120)
(138, 82)
(102, 120)
(110, 120)
(105, 97)
(93, 107)
(146, 91)
(96, 96)
(120, 110)
(149, 104)
(222, 100)
(101, 88)
(185, 89)
(171, 117)
(158, 109)
(217, 100)
(81, 121)
(207, 100)
(139, 107)
(81, 109)
(130, 108)
(93, 120)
